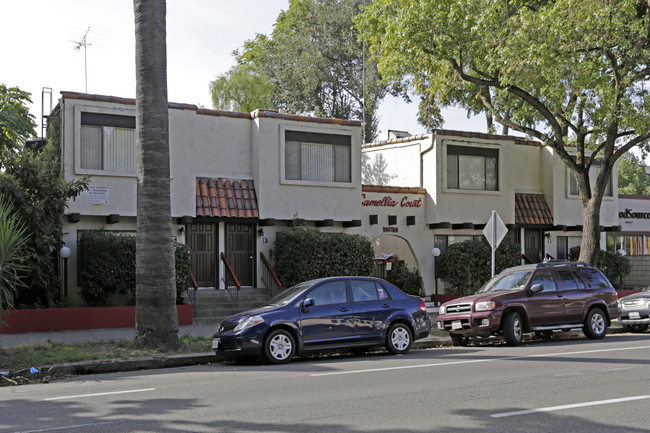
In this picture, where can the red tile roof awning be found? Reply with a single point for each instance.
(226, 198)
(531, 209)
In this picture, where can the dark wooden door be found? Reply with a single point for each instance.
(240, 251)
(203, 245)
(533, 247)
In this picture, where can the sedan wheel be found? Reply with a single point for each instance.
(279, 347)
(595, 326)
(399, 339)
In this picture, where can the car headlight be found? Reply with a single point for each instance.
(248, 322)
(441, 310)
(484, 306)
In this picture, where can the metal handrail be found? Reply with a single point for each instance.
(233, 289)
(270, 280)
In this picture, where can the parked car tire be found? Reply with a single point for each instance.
(636, 328)
(399, 339)
(595, 326)
(279, 346)
(513, 329)
(459, 340)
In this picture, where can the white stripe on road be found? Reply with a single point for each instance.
(472, 361)
(569, 406)
(100, 394)
(74, 426)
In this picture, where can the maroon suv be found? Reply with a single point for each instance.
(533, 298)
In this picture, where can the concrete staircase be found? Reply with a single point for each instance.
(212, 305)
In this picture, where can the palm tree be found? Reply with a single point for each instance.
(156, 320)
(12, 238)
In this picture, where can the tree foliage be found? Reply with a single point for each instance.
(315, 64)
(570, 73)
(467, 265)
(243, 88)
(12, 260)
(632, 176)
(16, 124)
(33, 181)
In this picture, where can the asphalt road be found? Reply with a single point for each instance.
(558, 386)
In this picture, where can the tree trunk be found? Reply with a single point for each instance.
(590, 232)
(156, 321)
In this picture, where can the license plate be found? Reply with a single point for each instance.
(456, 325)
(635, 315)
(215, 343)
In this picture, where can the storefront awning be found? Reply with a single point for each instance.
(226, 198)
(531, 209)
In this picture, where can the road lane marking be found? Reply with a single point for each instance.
(472, 361)
(569, 406)
(73, 426)
(98, 394)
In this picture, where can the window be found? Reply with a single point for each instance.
(363, 291)
(472, 168)
(593, 174)
(571, 281)
(332, 292)
(107, 142)
(317, 157)
(595, 278)
(546, 279)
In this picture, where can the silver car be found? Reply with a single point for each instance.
(635, 311)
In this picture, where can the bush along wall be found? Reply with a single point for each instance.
(467, 265)
(107, 266)
(303, 254)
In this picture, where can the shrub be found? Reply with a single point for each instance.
(305, 254)
(613, 265)
(107, 266)
(406, 279)
(466, 265)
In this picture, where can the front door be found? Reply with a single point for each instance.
(240, 251)
(329, 320)
(202, 241)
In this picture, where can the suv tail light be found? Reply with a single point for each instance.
(423, 306)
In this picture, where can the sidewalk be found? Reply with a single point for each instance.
(94, 335)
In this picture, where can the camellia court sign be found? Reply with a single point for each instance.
(387, 201)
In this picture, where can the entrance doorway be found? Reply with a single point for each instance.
(202, 240)
(240, 251)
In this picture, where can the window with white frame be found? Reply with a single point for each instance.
(593, 174)
(107, 142)
(472, 168)
(317, 157)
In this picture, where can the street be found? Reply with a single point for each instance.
(574, 385)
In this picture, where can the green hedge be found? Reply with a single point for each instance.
(467, 265)
(304, 254)
(107, 266)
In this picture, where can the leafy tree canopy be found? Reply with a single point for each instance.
(243, 88)
(314, 62)
(570, 73)
(16, 124)
(632, 177)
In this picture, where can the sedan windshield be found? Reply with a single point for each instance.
(513, 281)
(286, 296)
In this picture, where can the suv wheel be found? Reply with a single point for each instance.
(458, 340)
(595, 326)
(513, 330)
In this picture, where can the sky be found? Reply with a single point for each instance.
(42, 42)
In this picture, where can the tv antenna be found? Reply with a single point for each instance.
(84, 43)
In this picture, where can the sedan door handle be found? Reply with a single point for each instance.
(344, 310)
(385, 306)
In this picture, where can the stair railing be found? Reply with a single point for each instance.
(192, 294)
(231, 282)
(270, 280)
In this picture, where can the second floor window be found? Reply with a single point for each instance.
(472, 168)
(317, 157)
(107, 142)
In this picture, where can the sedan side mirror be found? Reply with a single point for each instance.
(309, 302)
(537, 288)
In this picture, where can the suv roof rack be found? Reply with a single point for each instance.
(561, 263)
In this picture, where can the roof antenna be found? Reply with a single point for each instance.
(84, 43)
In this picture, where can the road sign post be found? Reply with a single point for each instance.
(495, 230)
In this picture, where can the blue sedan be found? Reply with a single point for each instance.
(328, 313)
